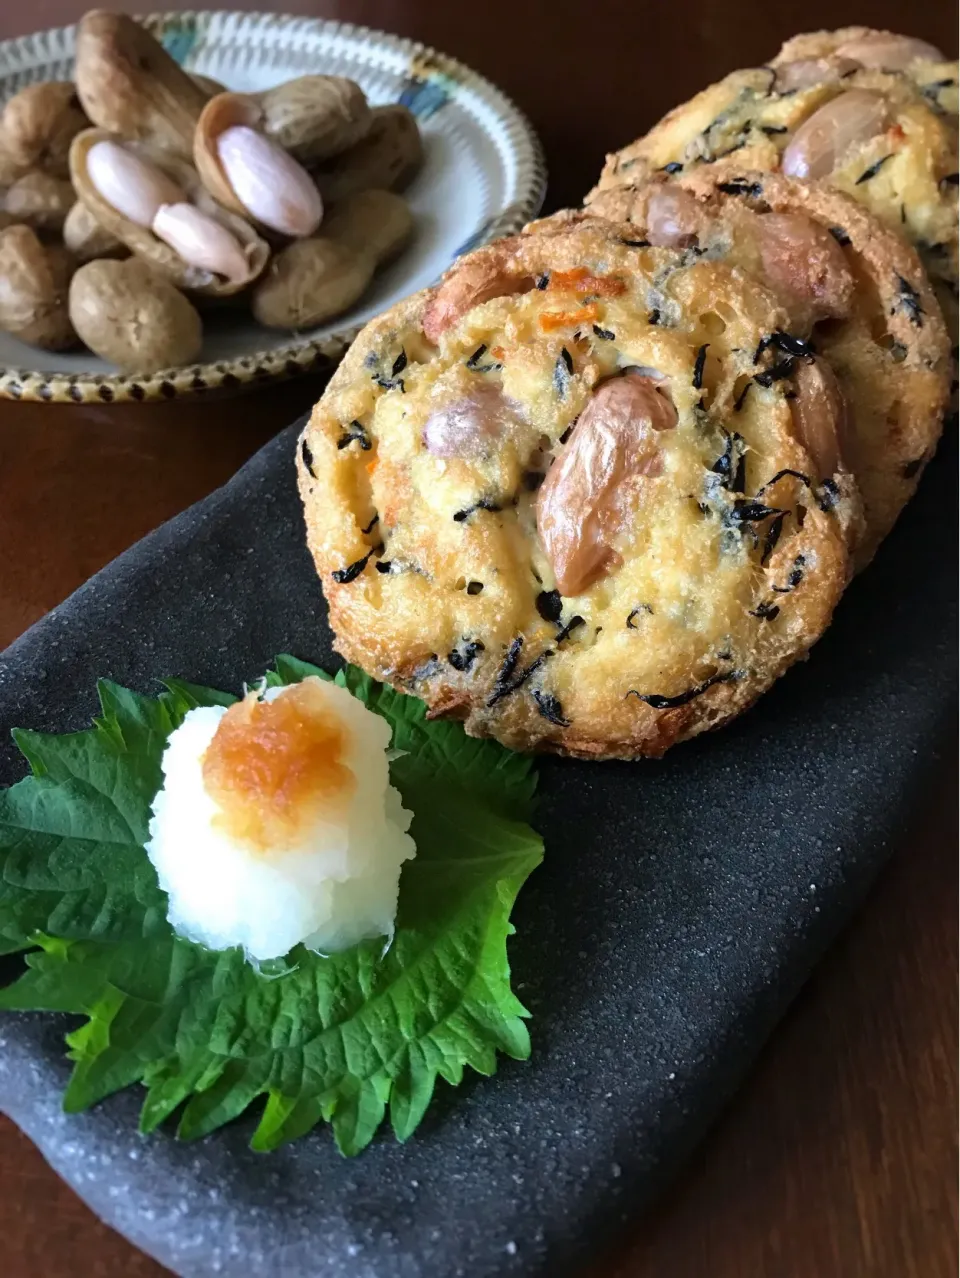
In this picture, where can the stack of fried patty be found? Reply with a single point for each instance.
(608, 480)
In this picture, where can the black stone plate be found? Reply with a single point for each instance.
(680, 907)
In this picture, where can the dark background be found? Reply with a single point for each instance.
(839, 1159)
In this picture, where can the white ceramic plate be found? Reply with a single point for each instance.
(483, 177)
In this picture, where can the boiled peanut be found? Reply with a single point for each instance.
(592, 489)
(674, 218)
(129, 84)
(802, 260)
(10, 167)
(131, 189)
(822, 141)
(128, 183)
(34, 279)
(316, 278)
(40, 122)
(470, 427)
(887, 51)
(804, 73)
(309, 282)
(314, 117)
(129, 315)
(386, 158)
(201, 240)
(131, 185)
(820, 415)
(375, 222)
(40, 201)
(273, 188)
(470, 283)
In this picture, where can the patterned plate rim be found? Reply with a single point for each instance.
(277, 363)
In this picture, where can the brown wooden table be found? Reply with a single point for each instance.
(839, 1158)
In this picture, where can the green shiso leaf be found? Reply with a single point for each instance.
(343, 1039)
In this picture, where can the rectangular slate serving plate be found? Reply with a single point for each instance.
(680, 907)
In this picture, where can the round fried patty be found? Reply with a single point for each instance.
(571, 497)
(885, 341)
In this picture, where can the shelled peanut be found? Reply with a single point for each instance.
(156, 206)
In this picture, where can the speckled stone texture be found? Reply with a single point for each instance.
(679, 909)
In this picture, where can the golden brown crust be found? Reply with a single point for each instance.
(904, 174)
(891, 353)
(435, 577)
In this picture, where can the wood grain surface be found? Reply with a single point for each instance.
(839, 1158)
